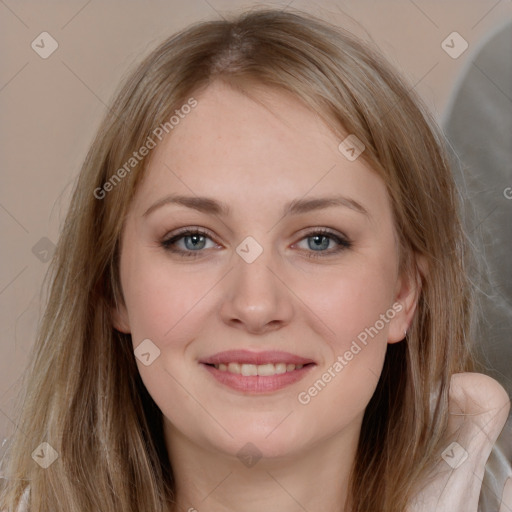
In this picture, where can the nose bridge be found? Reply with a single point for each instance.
(256, 297)
(253, 278)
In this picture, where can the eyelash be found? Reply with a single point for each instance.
(168, 243)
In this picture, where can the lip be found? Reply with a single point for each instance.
(248, 357)
(257, 384)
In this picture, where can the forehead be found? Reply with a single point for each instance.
(263, 121)
(253, 143)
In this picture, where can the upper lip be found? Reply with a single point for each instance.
(256, 358)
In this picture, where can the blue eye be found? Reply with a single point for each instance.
(195, 240)
(319, 241)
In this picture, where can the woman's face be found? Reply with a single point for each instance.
(295, 263)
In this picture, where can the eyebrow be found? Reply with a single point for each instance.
(295, 207)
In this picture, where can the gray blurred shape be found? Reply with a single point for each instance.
(478, 125)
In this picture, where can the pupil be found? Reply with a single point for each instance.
(195, 240)
(318, 238)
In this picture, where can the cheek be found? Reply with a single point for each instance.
(342, 388)
(164, 303)
(352, 299)
(357, 310)
(162, 299)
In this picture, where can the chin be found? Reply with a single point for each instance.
(262, 441)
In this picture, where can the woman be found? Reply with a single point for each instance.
(308, 348)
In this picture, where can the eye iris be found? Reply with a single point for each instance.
(318, 238)
(196, 239)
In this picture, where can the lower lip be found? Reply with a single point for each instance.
(258, 383)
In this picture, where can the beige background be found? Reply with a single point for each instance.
(52, 107)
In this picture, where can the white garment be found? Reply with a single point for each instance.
(23, 507)
(24, 501)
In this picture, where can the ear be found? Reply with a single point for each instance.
(407, 293)
(120, 318)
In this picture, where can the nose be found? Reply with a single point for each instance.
(255, 296)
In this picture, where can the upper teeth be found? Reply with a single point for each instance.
(258, 369)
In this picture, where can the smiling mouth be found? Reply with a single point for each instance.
(263, 370)
(257, 373)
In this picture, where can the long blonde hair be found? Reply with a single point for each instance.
(83, 393)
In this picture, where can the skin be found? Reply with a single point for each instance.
(256, 156)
